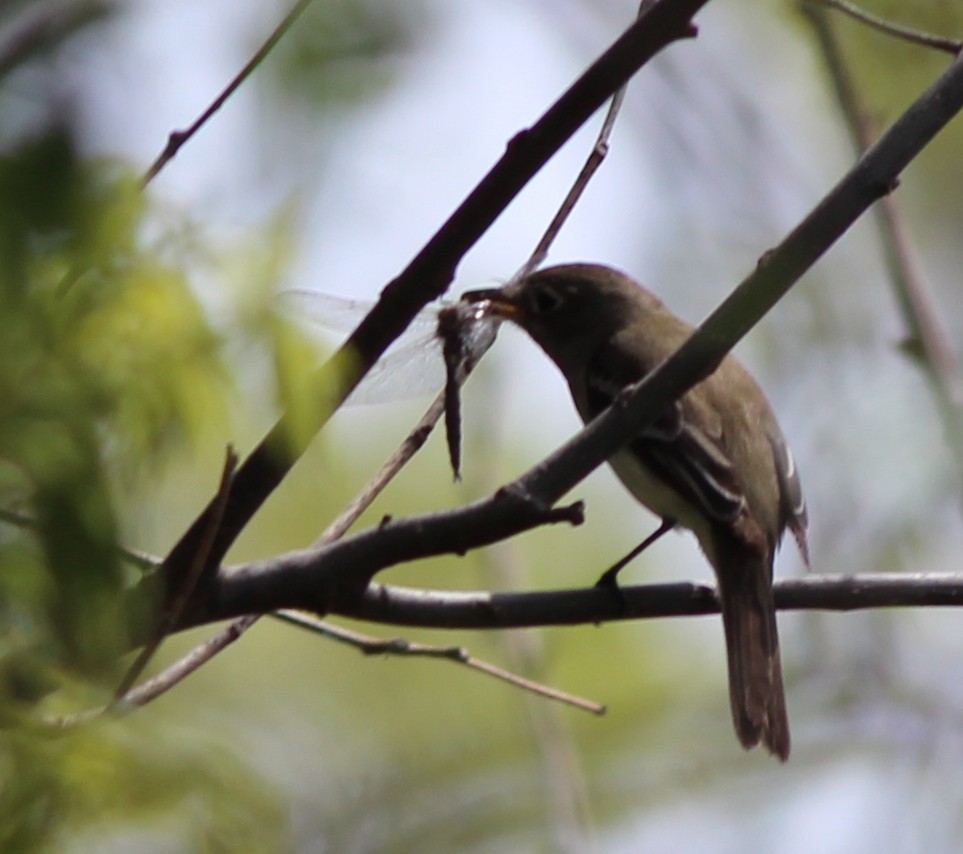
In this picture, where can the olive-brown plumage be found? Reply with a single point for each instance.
(715, 462)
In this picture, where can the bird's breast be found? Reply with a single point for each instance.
(652, 492)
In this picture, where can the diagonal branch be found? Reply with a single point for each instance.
(333, 577)
(432, 269)
(927, 336)
(875, 174)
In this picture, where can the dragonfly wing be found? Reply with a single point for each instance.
(314, 309)
(413, 365)
(410, 368)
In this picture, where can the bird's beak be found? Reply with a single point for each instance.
(497, 302)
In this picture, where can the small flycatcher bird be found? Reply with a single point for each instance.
(715, 462)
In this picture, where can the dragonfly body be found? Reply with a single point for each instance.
(415, 365)
(438, 350)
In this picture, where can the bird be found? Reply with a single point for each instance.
(715, 462)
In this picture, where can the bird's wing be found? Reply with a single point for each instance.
(681, 447)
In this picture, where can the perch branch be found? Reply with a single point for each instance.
(430, 272)
(295, 581)
(401, 606)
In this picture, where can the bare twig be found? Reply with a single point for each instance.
(178, 138)
(896, 30)
(905, 271)
(592, 163)
(400, 646)
(177, 597)
(177, 672)
(157, 685)
(410, 446)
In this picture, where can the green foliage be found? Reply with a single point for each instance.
(109, 371)
(121, 776)
(107, 365)
(105, 360)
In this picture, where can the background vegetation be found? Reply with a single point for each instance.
(137, 338)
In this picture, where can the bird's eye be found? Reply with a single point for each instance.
(546, 300)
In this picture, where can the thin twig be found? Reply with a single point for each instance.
(912, 290)
(410, 446)
(177, 598)
(162, 682)
(199, 655)
(400, 646)
(178, 138)
(592, 163)
(899, 31)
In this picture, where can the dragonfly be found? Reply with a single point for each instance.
(438, 350)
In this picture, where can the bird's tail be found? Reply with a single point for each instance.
(756, 691)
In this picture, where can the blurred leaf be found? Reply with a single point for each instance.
(99, 780)
(341, 52)
(106, 362)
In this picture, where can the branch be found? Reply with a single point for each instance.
(430, 272)
(445, 609)
(326, 579)
(931, 343)
(178, 138)
(898, 31)
(368, 645)
(874, 175)
(401, 606)
(592, 163)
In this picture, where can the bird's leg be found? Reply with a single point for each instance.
(608, 578)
